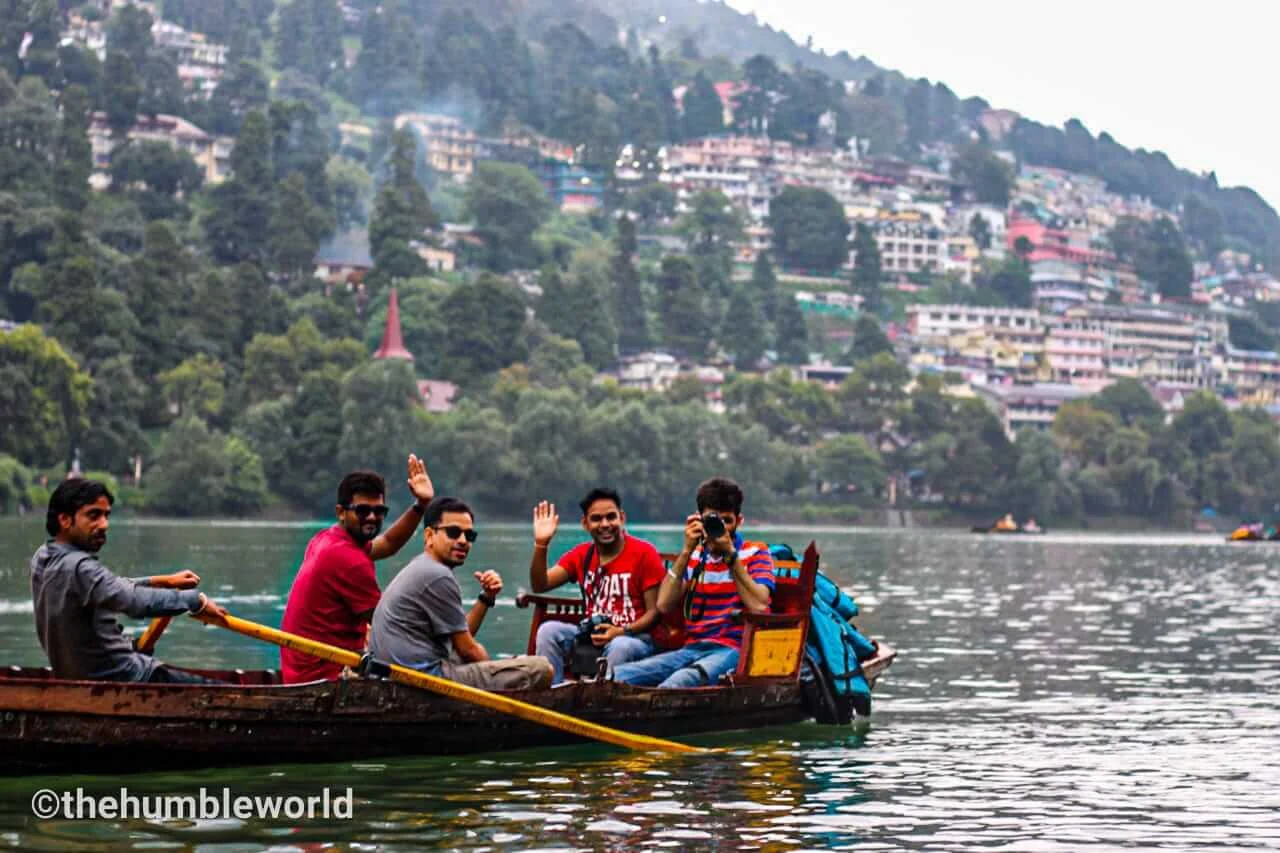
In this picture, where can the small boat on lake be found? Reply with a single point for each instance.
(51, 725)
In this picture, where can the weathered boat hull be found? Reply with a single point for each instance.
(49, 726)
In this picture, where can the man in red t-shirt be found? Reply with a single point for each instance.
(619, 576)
(336, 588)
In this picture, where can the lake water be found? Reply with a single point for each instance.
(1059, 693)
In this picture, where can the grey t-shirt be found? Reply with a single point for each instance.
(76, 599)
(419, 611)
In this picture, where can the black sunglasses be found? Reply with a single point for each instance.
(453, 531)
(363, 511)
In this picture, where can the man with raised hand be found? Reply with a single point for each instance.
(618, 573)
(336, 589)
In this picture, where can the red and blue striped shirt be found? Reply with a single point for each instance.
(715, 606)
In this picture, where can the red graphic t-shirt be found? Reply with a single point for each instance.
(618, 588)
(335, 582)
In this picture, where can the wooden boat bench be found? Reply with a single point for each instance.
(772, 643)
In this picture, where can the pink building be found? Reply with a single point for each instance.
(1052, 244)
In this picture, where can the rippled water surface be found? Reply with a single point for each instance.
(1056, 693)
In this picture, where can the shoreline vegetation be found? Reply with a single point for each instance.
(170, 330)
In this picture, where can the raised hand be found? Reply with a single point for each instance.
(419, 481)
(490, 582)
(545, 523)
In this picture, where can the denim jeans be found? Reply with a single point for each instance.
(555, 643)
(695, 665)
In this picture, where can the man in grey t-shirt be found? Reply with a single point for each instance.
(76, 597)
(420, 623)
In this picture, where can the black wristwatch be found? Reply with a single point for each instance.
(419, 508)
(486, 599)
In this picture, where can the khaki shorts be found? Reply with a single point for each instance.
(525, 672)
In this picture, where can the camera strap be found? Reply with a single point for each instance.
(589, 579)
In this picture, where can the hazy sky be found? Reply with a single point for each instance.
(1197, 83)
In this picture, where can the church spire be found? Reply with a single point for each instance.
(392, 339)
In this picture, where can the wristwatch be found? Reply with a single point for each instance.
(419, 508)
(486, 599)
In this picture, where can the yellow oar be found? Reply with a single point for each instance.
(452, 689)
(147, 642)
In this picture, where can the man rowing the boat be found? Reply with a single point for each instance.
(76, 597)
(619, 576)
(336, 588)
(419, 623)
(716, 577)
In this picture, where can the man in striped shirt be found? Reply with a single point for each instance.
(715, 578)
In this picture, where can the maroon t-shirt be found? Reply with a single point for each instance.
(335, 582)
(619, 588)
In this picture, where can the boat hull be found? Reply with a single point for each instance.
(49, 726)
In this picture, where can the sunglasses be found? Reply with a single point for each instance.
(453, 531)
(363, 511)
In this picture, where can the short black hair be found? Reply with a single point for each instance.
(438, 507)
(720, 493)
(70, 497)
(600, 493)
(361, 483)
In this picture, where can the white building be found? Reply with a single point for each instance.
(938, 323)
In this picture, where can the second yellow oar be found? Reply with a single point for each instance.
(147, 642)
(452, 689)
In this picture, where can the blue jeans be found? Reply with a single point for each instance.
(555, 643)
(696, 665)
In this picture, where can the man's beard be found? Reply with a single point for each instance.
(362, 536)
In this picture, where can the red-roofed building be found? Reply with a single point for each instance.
(1052, 244)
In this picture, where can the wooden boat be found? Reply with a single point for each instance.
(50, 725)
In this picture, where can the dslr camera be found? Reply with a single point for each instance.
(712, 525)
(588, 626)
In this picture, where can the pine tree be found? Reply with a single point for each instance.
(869, 339)
(866, 269)
(73, 159)
(764, 285)
(743, 330)
(629, 309)
(401, 211)
(703, 112)
(792, 333)
(685, 326)
(238, 226)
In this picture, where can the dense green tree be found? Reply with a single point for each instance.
(869, 339)
(712, 227)
(1129, 402)
(629, 304)
(122, 93)
(686, 327)
(116, 409)
(764, 285)
(309, 37)
(1011, 282)
(191, 470)
(508, 204)
(352, 188)
(866, 269)
(297, 226)
(810, 231)
(44, 397)
(197, 387)
(703, 112)
(157, 166)
(482, 324)
(987, 175)
(743, 330)
(238, 226)
(73, 158)
(790, 331)
(401, 212)
(980, 231)
(847, 461)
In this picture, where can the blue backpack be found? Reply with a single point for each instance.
(834, 683)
